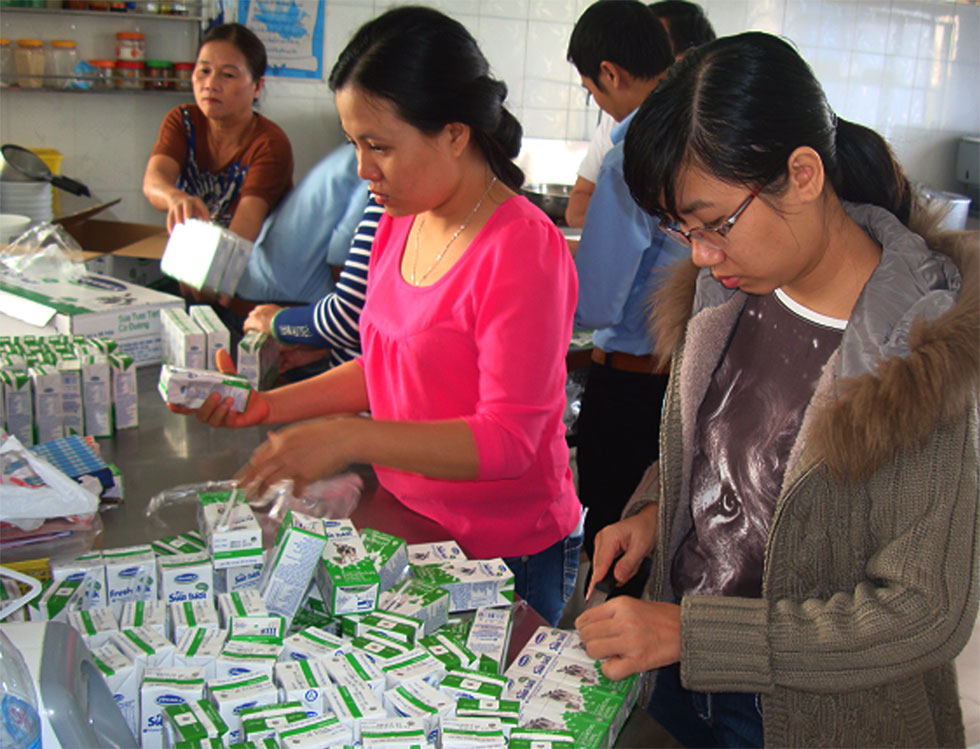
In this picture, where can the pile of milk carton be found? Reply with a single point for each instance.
(55, 386)
(333, 637)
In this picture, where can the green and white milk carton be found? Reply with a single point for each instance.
(216, 333)
(125, 391)
(164, 687)
(192, 721)
(389, 554)
(472, 583)
(345, 575)
(291, 564)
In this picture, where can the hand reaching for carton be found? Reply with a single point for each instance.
(220, 413)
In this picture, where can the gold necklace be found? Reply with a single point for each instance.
(452, 239)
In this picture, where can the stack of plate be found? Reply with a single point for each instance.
(31, 199)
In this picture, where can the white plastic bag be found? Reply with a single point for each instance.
(32, 490)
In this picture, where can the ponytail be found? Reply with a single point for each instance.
(867, 171)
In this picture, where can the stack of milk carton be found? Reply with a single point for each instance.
(55, 386)
(341, 637)
(206, 256)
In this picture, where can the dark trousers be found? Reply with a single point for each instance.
(618, 433)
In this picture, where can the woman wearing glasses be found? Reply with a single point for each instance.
(814, 511)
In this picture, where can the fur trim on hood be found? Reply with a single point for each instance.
(875, 415)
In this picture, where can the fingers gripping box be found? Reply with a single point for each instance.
(183, 386)
(258, 359)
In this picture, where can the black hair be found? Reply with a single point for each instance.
(246, 41)
(736, 108)
(623, 32)
(432, 71)
(686, 24)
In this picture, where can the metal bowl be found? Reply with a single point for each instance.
(551, 197)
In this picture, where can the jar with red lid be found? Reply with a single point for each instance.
(131, 46)
(183, 72)
(129, 74)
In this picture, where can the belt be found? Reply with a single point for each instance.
(626, 362)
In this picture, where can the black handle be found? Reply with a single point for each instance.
(70, 185)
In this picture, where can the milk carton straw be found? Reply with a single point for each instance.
(263, 721)
(123, 679)
(48, 422)
(239, 657)
(434, 552)
(416, 699)
(470, 733)
(163, 687)
(351, 703)
(185, 577)
(303, 681)
(378, 733)
(94, 624)
(388, 553)
(90, 570)
(231, 695)
(312, 642)
(125, 391)
(151, 614)
(508, 712)
(184, 343)
(200, 648)
(420, 600)
(216, 333)
(453, 654)
(187, 387)
(356, 667)
(186, 615)
(290, 567)
(473, 685)
(131, 575)
(240, 603)
(315, 733)
(192, 721)
(96, 395)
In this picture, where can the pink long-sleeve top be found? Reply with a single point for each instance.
(485, 343)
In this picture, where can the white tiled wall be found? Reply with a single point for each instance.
(908, 69)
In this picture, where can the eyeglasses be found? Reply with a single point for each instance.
(713, 237)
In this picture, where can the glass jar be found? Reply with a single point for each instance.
(105, 74)
(130, 45)
(183, 72)
(63, 59)
(29, 61)
(129, 74)
(7, 76)
(159, 75)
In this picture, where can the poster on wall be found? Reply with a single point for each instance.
(292, 32)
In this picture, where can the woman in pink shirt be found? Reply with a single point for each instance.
(471, 293)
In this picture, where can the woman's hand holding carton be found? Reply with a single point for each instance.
(220, 413)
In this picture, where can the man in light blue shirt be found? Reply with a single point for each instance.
(621, 52)
(307, 234)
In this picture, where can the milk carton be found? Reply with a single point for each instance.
(240, 603)
(388, 553)
(489, 638)
(205, 256)
(312, 642)
(264, 721)
(434, 552)
(473, 685)
(56, 600)
(48, 422)
(471, 583)
(185, 577)
(238, 578)
(541, 738)
(469, 733)
(238, 657)
(90, 570)
(420, 600)
(192, 721)
(18, 406)
(405, 629)
(453, 654)
(298, 545)
(163, 687)
(356, 667)
(346, 576)
(508, 712)
(416, 699)
(144, 645)
(231, 541)
(232, 695)
(9, 592)
(392, 732)
(186, 615)
(183, 386)
(183, 543)
(199, 648)
(317, 732)
(151, 614)
(125, 391)
(184, 343)
(351, 702)
(303, 681)
(131, 575)
(378, 646)
(216, 333)
(94, 624)
(258, 359)
(588, 732)
(123, 678)
(72, 413)
(415, 664)
(269, 630)
(96, 395)
(572, 673)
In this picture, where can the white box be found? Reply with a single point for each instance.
(199, 648)
(48, 421)
(405, 629)
(470, 733)
(217, 335)
(392, 732)
(205, 256)
(389, 554)
(192, 721)
(489, 638)
(240, 603)
(473, 685)
(508, 712)
(449, 651)
(268, 630)
(472, 583)
(313, 642)
(94, 624)
(351, 702)
(90, 570)
(416, 664)
(231, 542)
(416, 699)
(262, 722)
(123, 676)
(240, 578)
(144, 645)
(315, 733)
(356, 667)
(56, 600)
(289, 568)
(303, 681)
(191, 387)
(239, 657)
(96, 395)
(18, 406)
(185, 577)
(434, 552)
(162, 687)
(418, 599)
(186, 615)
(92, 306)
(258, 359)
(125, 392)
(184, 343)
(131, 575)
(72, 411)
(145, 614)
(230, 695)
